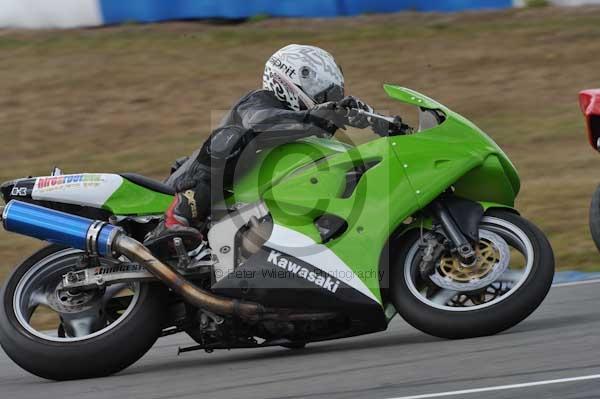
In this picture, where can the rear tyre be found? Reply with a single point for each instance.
(595, 217)
(507, 301)
(94, 349)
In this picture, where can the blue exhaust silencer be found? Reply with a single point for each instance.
(95, 237)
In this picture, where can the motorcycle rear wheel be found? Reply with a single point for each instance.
(447, 313)
(79, 346)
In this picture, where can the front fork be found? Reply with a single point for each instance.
(461, 245)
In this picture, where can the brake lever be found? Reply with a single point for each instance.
(388, 119)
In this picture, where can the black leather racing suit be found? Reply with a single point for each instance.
(257, 120)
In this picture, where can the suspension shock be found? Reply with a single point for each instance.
(464, 249)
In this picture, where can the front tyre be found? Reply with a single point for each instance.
(454, 310)
(62, 335)
(595, 217)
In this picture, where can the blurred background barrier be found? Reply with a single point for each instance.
(50, 14)
(76, 13)
(81, 13)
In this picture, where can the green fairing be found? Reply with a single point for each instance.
(273, 164)
(131, 199)
(455, 153)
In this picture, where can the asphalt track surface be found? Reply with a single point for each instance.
(553, 354)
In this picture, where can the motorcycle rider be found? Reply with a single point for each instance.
(302, 95)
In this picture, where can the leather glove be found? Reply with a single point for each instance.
(358, 121)
(329, 113)
(384, 128)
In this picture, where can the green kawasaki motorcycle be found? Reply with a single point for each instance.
(319, 240)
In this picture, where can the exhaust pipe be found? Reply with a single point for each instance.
(93, 236)
(103, 239)
(198, 297)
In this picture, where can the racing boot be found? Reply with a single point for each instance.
(178, 221)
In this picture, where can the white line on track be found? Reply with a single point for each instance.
(514, 386)
(572, 283)
(501, 387)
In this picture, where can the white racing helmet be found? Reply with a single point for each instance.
(303, 76)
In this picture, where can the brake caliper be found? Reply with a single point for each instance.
(432, 249)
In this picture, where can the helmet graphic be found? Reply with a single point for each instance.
(303, 76)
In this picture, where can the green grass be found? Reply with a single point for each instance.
(536, 3)
(133, 98)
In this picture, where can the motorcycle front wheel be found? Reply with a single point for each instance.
(457, 302)
(595, 217)
(66, 335)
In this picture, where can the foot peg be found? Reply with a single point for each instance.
(171, 243)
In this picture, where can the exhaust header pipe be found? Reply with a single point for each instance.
(198, 297)
(103, 239)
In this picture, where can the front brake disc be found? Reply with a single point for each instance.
(493, 256)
